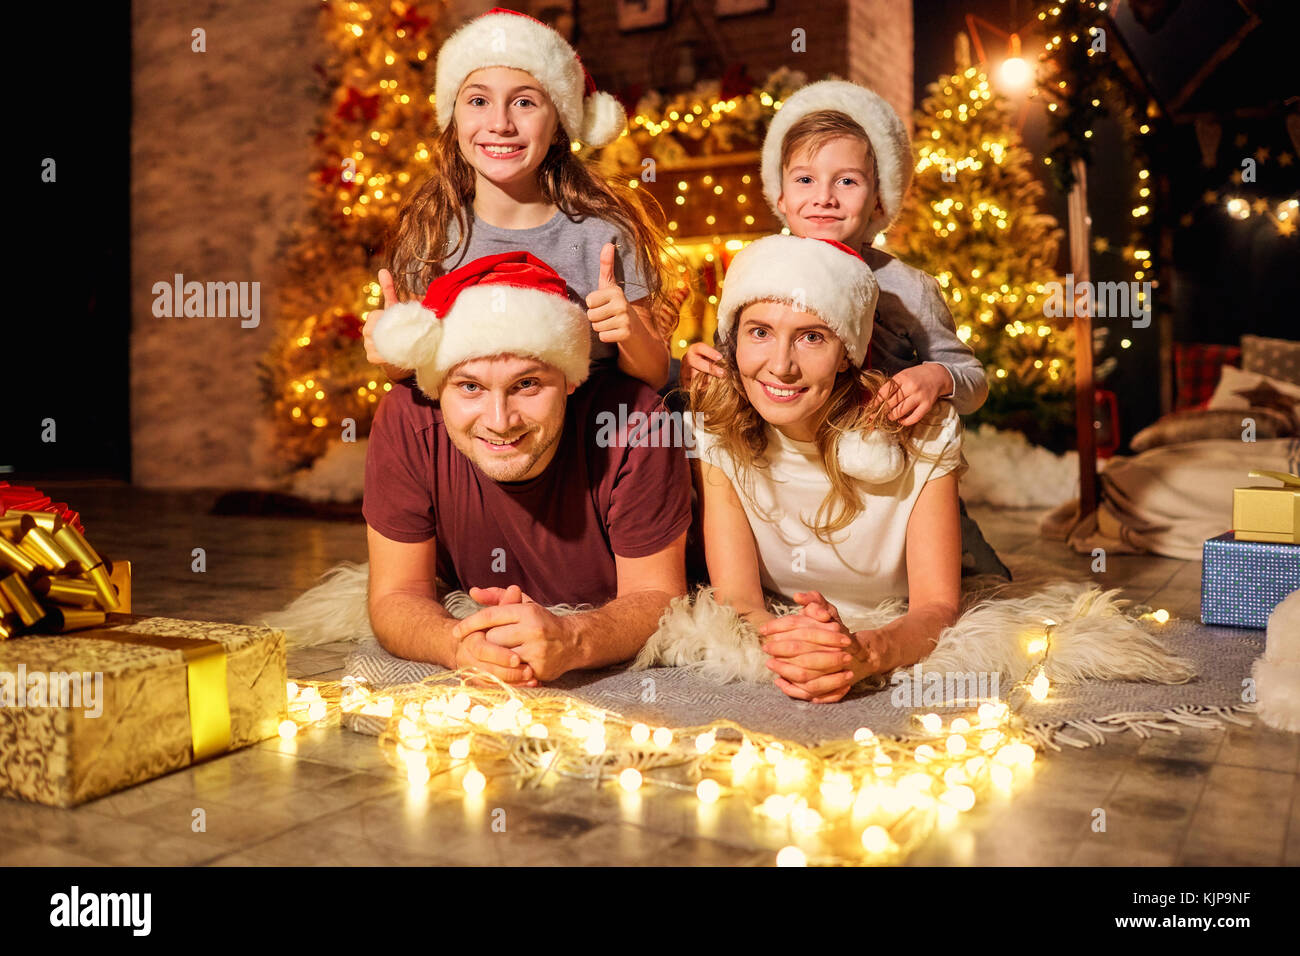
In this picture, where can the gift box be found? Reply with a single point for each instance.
(1267, 513)
(1243, 581)
(97, 710)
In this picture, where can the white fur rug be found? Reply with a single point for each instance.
(1008, 472)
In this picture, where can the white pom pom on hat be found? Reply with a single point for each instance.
(874, 458)
(512, 39)
(884, 128)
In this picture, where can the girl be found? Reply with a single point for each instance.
(511, 94)
(802, 476)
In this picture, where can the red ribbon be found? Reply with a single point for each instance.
(27, 498)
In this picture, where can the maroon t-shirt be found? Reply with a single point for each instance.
(557, 533)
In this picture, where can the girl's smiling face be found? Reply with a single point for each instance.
(787, 362)
(831, 194)
(505, 123)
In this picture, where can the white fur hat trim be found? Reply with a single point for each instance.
(874, 458)
(484, 321)
(522, 43)
(1277, 673)
(811, 275)
(883, 126)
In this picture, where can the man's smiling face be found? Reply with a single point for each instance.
(505, 414)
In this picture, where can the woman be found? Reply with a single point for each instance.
(806, 487)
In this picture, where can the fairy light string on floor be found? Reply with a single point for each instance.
(864, 800)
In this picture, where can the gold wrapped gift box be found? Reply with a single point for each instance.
(1267, 513)
(101, 709)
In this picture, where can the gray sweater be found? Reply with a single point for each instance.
(913, 325)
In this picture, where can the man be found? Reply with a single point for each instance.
(494, 476)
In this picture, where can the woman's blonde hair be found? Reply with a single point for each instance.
(416, 245)
(723, 409)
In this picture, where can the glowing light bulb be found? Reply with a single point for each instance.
(291, 689)
(932, 723)
(864, 735)
(459, 748)
(791, 856)
(537, 731)
(288, 730)
(1038, 689)
(875, 839)
(460, 703)
(960, 725)
(1000, 775)
(474, 781)
(956, 744)
(417, 774)
(662, 737)
(1161, 616)
(629, 779)
(478, 713)
(960, 798)
(704, 742)
(640, 733)
(708, 790)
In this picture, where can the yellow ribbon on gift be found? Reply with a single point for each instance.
(1288, 481)
(209, 700)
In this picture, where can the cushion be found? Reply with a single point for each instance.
(1239, 389)
(1276, 358)
(1198, 425)
(1197, 369)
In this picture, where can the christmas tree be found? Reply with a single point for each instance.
(373, 142)
(972, 221)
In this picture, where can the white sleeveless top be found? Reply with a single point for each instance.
(868, 561)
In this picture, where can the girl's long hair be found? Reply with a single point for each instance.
(417, 241)
(724, 410)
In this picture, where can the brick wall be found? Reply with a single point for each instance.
(220, 154)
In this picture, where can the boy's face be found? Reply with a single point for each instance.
(830, 194)
(505, 123)
(505, 414)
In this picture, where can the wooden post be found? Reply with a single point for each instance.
(1080, 242)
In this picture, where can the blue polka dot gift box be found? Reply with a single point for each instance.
(1243, 581)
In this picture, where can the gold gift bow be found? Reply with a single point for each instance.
(45, 542)
(1288, 481)
(39, 556)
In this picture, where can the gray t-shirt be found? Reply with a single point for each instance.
(571, 248)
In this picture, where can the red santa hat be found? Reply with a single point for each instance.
(509, 38)
(889, 139)
(511, 303)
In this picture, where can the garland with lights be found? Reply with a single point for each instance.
(864, 800)
(1085, 85)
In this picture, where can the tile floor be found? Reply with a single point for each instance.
(1230, 796)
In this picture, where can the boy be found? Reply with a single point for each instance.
(836, 164)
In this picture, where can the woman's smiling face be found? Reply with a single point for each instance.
(505, 123)
(787, 362)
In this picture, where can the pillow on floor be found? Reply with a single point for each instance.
(1276, 358)
(1200, 424)
(1239, 389)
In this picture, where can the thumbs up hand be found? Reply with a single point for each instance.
(607, 308)
(389, 289)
